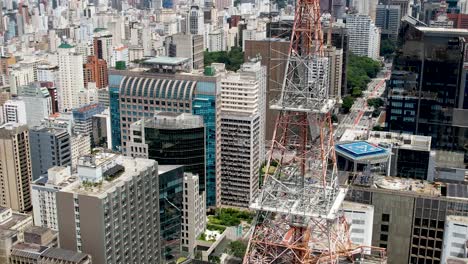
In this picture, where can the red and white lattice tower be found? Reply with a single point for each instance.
(299, 217)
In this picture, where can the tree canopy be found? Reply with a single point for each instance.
(360, 71)
(237, 248)
(232, 59)
(348, 102)
(387, 47)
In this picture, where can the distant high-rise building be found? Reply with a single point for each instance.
(83, 118)
(240, 134)
(426, 89)
(37, 101)
(50, 147)
(364, 36)
(15, 172)
(102, 44)
(388, 20)
(187, 46)
(71, 80)
(14, 111)
(95, 70)
(196, 21)
(111, 213)
(80, 145)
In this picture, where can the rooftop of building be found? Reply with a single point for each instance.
(171, 120)
(9, 129)
(27, 250)
(165, 168)
(458, 219)
(164, 60)
(359, 150)
(46, 129)
(346, 205)
(437, 31)
(389, 139)
(38, 230)
(15, 219)
(126, 169)
(64, 255)
(65, 46)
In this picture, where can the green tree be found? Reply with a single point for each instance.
(387, 47)
(348, 102)
(237, 248)
(359, 73)
(232, 59)
(375, 102)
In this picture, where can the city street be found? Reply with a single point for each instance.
(359, 116)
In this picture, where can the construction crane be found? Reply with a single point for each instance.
(299, 217)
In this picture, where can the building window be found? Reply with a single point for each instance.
(385, 217)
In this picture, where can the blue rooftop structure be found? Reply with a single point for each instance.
(360, 149)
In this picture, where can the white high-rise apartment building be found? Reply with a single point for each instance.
(360, 218)
(70, 77)
(364, 36)
(43, 192)
(19, 75)
(455, 246)
(14, 111)
(193, 213)
(240, 134)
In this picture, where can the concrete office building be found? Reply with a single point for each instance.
(171, 139)
(388, 20)
(15, 171)
(14, 111)
(359, 217)
(187, 46)
(102, 45)
(410, 215)
(239, 134)
(102, 132)
(428, 98)
(110, 215)
(335, 68)
(408, 156)
(37, 101)
(364, 36)
(193, 213)
(455, 248)
(50, 147)
(137, 94)
(273, 53)
(44, 192)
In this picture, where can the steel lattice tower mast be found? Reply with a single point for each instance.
(298, 209)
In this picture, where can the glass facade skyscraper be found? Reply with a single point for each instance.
(427, 88)
(204, 104)
(171, 180)
(136, 95)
